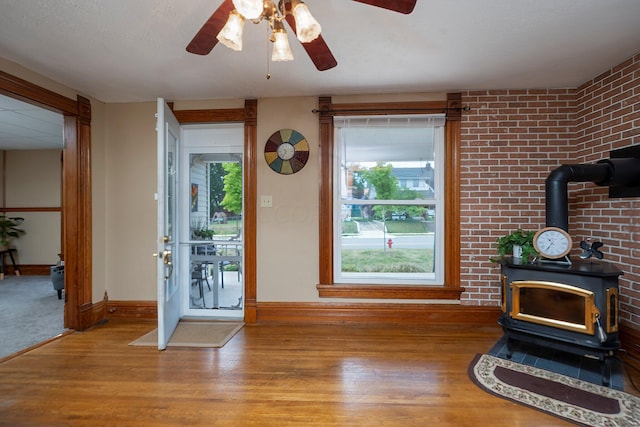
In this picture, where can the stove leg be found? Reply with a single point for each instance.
(508, 342)
(509, 348)
(605, 368)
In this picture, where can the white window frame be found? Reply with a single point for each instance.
(426, 279)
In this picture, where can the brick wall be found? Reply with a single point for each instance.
(608, 117)
(513, 139)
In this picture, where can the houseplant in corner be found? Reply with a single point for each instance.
(9, 230)
(518, 244)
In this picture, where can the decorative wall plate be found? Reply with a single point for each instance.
(286, 151)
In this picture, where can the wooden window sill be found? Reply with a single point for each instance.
(388, 291)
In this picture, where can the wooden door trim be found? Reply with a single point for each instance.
(76, 191)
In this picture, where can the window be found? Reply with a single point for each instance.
(386, 232)
(446, 210)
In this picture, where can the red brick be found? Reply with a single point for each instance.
(526, 134)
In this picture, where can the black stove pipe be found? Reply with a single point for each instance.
(608, 172)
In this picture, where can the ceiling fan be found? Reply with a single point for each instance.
(225, 25)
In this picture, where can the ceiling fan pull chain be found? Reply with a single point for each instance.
(267, 51)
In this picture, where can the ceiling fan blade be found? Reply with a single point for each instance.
(205, 40)
(317, 49)
(401, 6)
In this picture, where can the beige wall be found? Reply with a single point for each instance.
(33, 77)
(123, 162)
(33, 180)
(124, 212)
(288, 230)
(287, 233)
(97, 165)
(130, 208)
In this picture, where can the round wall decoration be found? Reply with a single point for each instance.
(286, 151)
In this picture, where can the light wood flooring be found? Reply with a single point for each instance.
(267, 375)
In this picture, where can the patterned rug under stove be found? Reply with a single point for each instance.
(571, 399)
(560, 362)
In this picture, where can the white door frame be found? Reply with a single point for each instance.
(219, 138)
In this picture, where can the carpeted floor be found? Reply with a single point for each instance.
(30, 312)
(574, 400)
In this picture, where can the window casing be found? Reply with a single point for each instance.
(450, 289)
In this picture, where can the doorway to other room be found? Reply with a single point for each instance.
(211, 220)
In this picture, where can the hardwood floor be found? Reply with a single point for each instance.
(271, 375)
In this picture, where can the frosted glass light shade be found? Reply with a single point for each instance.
(231, 33)
(250, 9)
(281, 49)
(307, 28)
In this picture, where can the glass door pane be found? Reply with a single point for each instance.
(215, 232)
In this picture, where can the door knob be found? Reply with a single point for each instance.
(168, 262)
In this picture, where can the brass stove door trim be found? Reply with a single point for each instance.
(590, 310)
(503, 295)
(612, 310)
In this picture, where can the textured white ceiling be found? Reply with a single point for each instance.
(134, 50)
(27, 127)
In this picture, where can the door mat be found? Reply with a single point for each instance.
(571, 399)
(194, 334)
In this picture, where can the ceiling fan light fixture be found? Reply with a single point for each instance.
(307, 28)
(231, 33)
(281, 49)
(295, 12)
(250, 9)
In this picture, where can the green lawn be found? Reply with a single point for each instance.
(231, 228)
(405, 226)
(349, 227)
(387, 261)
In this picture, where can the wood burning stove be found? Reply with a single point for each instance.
(571, 308)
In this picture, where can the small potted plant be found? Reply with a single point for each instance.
(9, 230)
(203, 234)
(200, 230)
(518, 244)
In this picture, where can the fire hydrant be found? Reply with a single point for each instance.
(390, 243)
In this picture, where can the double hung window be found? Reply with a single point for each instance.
(373, 202)
(388, 199)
